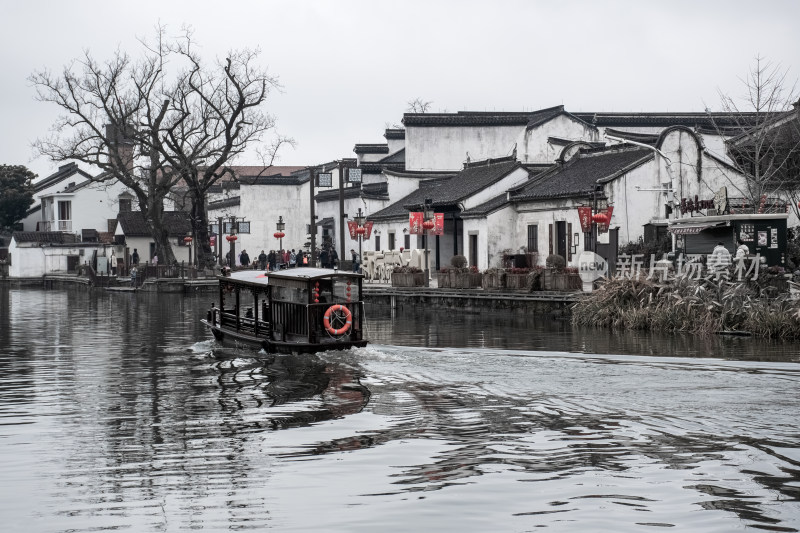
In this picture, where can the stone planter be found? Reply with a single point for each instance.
(494, 280)
(517, 281)
(468, 280)
(553, 280)
(408, 279)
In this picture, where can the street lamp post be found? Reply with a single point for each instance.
(280, 234)
(232, 239)
(428, 224)
(188, 240)
(360, 230)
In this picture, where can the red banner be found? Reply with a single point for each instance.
(351, 227)
(585, 216)
(415, 219)
(603, 227)
(438, 228)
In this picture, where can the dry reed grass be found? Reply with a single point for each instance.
(702, 306)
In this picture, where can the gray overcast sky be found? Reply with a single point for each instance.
(349, 67)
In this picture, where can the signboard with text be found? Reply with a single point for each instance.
(354, 175)
(325, 179)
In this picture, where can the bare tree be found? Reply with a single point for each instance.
(763, 132)
(418, 105)
(163, 122)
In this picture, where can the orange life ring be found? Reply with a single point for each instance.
(326, 319)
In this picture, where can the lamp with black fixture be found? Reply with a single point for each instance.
(359, 219)
(428, 224)
(232, 239)
(280, 234)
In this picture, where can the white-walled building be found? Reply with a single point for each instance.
(132, 233)
(66, 177)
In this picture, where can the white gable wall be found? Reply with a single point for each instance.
(445, 148)
(533, 145)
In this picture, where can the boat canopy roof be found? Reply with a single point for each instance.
(258, 277)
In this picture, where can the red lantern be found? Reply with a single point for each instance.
(428, 225)
(361, 230)
(231, 238)
(279, 235)
(187, 240)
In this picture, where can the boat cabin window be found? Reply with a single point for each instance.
(341, 293)
(289, 294)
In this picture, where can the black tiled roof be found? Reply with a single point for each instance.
(45, 237)
(646, 138)
(596, 119)
(277, 179)
(226, 202)
(64, 172)
(621, 120)
(176, 222)
(449, 191)
(580, 175)
(477, 118)
(380, 166)
(378, 191)
(396, 134)
(371, 149)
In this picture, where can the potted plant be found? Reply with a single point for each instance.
(517, 278)
(459, 276)
(493, 278)
(408, 276)
(557, 277)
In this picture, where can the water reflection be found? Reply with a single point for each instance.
(423, 326)
(119, 412)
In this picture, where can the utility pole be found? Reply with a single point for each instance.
(313, 226)
(218, 243)
(342, 171)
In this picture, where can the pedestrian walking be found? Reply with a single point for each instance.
(292, 259)
(262, 260)
(356, 260)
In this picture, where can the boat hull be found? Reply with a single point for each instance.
(236, 339)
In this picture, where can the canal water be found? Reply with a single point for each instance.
(118, 412)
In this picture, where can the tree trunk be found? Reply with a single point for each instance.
(155, 220)
(205, 255)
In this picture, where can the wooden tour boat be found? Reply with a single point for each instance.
(301, 310)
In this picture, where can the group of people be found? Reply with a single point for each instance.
(274, 260)
(278, 259)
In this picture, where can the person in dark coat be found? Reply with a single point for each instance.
(324, 258)
(262, 260)
(334, 259)
(272, 259)
(245, 258)
(135, 257)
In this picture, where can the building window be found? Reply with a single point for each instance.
(377, 242)
(124, 205)
(64, 222)
(407, 242)
(391, 241)
(533, 238)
